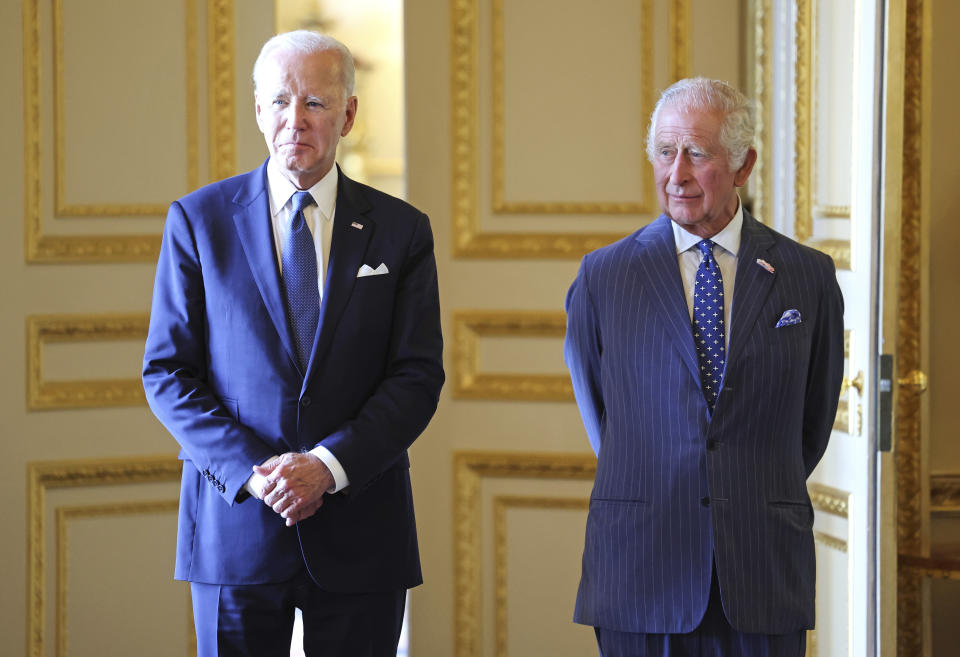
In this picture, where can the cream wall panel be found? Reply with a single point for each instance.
(124, 117)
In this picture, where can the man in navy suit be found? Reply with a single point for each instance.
(294, 352)
(706, 354)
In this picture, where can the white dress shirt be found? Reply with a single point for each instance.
(689, 257)
(319, 219)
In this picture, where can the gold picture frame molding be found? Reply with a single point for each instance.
(45, 248)
(47, 475)
(469, 326)
(92, 393)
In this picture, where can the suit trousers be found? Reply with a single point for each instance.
(714, 637)
(257, 620)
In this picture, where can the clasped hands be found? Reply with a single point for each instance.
(295, 485)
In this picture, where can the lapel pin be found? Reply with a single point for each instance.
(766, 265)
(357, 226)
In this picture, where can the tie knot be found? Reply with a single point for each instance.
(706, 248)
(301, 200)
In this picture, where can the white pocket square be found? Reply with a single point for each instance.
(367, 270)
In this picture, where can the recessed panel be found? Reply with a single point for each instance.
(123, 101)
(572, 101)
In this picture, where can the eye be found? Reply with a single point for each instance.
(279, 102)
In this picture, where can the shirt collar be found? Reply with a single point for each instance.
(324, 193)
(728, 238)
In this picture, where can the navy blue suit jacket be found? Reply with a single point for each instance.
(676, 487)
(220, 372)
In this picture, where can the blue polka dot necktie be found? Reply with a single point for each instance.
(708, 330)
(299, 270)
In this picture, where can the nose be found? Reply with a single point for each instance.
(680, 170)
(295, 116)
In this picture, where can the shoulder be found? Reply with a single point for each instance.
(379, 204)
(791, 252)
(224, 192)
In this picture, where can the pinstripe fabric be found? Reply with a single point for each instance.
(676, 487)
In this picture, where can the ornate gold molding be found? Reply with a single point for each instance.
(61, 207)
(47, 475)
(469, 241)
(222, 107)
(92, 393)
(63, 515)
(469, 469)
(498, 47)
(763, 90)
(805, 131)
(41, 248)
(470, 325)
(501, 504)
(945, 492)
(829, 500)
(679, 28)
(829, 541)
(909, 452)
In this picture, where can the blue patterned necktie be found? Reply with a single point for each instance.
(299, 269)
(708, 330)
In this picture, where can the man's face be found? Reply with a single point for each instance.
(302, 112)
(695, 185)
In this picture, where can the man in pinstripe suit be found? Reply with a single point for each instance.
(699, 538)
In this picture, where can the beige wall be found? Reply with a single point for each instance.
(944, 276)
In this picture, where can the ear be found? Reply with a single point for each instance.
(351, 113)
(258, 110)
(740, 178)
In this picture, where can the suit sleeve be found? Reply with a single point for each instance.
(826, 372)
(175, 368)
(406, 398)
(581, 351)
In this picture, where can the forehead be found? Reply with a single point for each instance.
(702, 126)
(300, 73)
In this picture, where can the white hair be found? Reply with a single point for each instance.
(307, 42)
(703, 94)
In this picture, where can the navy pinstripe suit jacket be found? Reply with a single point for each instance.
(677, 488)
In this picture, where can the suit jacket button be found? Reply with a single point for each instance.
(222, 488)
(705, 501)
(712, 445)
(306, 401)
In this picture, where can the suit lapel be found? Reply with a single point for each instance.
(659, 269)
(252, 219)
(753, 282)
(348, 244)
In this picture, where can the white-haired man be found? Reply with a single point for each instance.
(706, 354)
(295, 353)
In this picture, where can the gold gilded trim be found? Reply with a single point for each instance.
(469, 469)
(470, 383)
(679, 28)
(829, 500)
(93, 393)
(805, 125)
(63, 516)
(66, 474)
(468, 240)
(763, 90)
(909, 453)
(42, 248)
(945, 493)
(501, 504)
(64, 209)
(500, 204)
(831, 542)
(842, 421)
(222, 107)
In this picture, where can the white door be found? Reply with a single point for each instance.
(820, 134)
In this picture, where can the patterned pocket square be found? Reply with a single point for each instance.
(367, 270)
(789, 318)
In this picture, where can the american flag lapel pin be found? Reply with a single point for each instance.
(766, 265)
(356, 225)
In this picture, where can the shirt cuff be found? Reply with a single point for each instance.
(256, 482)
(340, 480)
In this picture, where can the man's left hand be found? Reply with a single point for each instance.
(295, 485)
